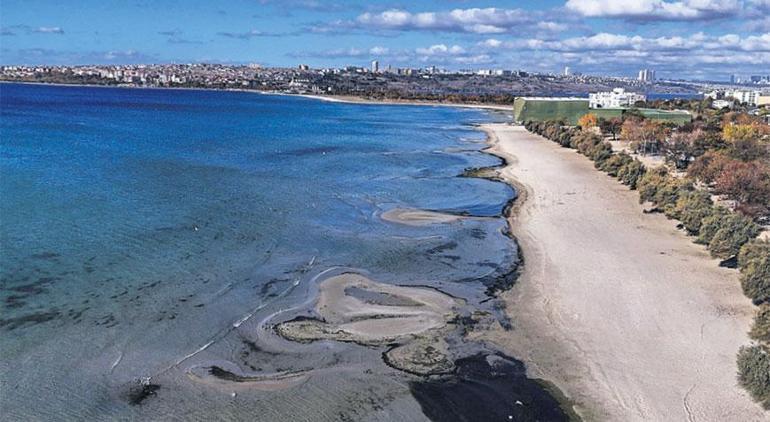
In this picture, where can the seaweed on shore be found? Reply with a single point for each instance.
(487, 387)
(141, 392)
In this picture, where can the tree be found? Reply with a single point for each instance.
(747, 183)
(753, 250)
(711, 224)
(734, 231)
(612, 126)
(588, 121)
(754, 372)
(760, 331)
(732, 132)
(692, 208)
(708, 166)
(644, 135)
(631, 173)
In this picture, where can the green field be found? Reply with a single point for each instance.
(571, 110)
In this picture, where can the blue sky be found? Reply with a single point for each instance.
(691, 39)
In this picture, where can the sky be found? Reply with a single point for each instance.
(686, 39)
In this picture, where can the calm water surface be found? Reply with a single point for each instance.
(144, 231)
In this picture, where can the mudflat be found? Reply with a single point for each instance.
(618, 308)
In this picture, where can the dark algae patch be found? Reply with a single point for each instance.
(487, 387)
(141, 392)
(29, 319)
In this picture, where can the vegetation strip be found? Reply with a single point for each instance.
(720, 155)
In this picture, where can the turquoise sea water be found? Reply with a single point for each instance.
(145, 231)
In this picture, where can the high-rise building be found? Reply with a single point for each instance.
(375, 66)
(732, 79)
(647, 75)
(567, 71)
(755, 79)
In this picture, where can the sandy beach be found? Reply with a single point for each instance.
(352, 99)
(619, 309)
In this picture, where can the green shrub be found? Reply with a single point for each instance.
(692, 208)
(752, 250)
(760, 331)
(650, 183)
(663, 190)
(734, 231)
(754, 373)
(711, 224)
(755, 279)
(630, 174)
(614, 163)
(565, 139)
(600, 153)
(585, 141)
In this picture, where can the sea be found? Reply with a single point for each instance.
(148, 232)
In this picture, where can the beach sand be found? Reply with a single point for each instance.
(619, 309)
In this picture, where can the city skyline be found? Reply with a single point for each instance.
(688, 39)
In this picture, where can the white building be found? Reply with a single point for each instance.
(616, 99)
(567, 71)
(744, 96)
(720, 104)
(647, 75)
(375, 66)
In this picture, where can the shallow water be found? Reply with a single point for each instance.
(147, 232)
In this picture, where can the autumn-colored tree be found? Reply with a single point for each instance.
(708, 166)
(644, 135)
(612, 126)
(747, 183)
(733, 132)
(588, 121)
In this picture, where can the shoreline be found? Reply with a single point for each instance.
(616, 308)
(345, 99)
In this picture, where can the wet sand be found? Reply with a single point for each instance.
(411, 217)
(619, 309)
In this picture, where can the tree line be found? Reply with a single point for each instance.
(719, 155)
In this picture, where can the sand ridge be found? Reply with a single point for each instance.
(353, 308)
(618, 308)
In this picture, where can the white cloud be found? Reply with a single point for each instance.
(474, 20)
(49, 30)
(441, 50)
(618, 42)
(379, 51)
(551, 26)
(656, 9)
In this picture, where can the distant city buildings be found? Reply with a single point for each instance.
(375, 66)
(567, 71)
(646, 75)
(617, 98)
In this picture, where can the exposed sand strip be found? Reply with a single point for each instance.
(355, 309)
(411, 217)
(618, 308)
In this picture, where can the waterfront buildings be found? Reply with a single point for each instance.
(616, 98)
